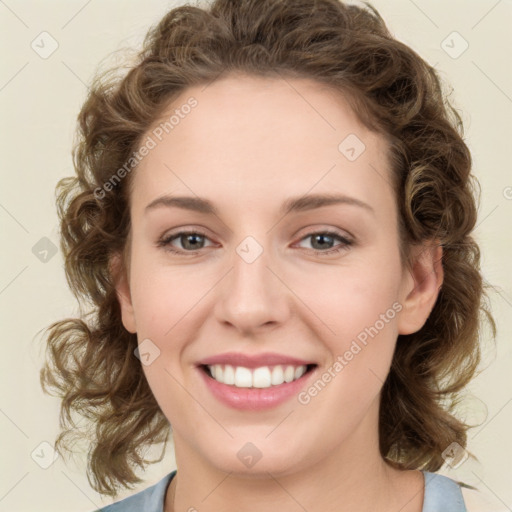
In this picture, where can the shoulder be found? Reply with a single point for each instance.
(442, 491)
(148, 500)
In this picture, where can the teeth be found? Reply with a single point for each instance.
(277, 375)
(262, 377)
(289, 373)
(229, 374)
(243, 377)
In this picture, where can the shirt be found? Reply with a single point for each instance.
(442, 494)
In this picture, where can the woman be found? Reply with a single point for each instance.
(295, 375)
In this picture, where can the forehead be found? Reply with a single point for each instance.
(248, 136)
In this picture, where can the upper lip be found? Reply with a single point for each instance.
(253, 361)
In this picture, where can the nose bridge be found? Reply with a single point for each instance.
(252, 295)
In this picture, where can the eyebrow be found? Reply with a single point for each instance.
(294, 204)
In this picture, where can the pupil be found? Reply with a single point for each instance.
(322, 237)
(188, 237)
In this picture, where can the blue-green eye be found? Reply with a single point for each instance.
(323, 238)
(193, 241)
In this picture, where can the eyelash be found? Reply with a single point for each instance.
(165, 242)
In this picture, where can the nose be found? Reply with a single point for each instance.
(253, 296)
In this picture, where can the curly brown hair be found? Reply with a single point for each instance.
(90, 360)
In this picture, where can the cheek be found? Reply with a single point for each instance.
(360, 355)
(346, 299)
(357, 308)
(162, 295)
(341, 299)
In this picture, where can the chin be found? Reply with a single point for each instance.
(258, 458)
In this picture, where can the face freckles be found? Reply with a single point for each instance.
(249, 146)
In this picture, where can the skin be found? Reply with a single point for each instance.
(250, 144)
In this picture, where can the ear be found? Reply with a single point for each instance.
(119, 275)
(420, 286)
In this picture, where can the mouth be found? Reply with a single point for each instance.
(261, 377)
(255, 382)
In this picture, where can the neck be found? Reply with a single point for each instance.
(351, 477)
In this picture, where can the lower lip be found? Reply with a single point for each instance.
(254, 399)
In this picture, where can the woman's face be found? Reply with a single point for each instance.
(259, 278)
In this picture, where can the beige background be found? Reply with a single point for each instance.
(39, 101)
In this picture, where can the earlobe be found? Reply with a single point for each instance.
(421, 286)
(120, 279)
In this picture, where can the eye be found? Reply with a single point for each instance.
(193, 241)
(322, 239)
(190, 240)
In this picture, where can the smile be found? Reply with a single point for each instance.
(261, 377)
(255, 388)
